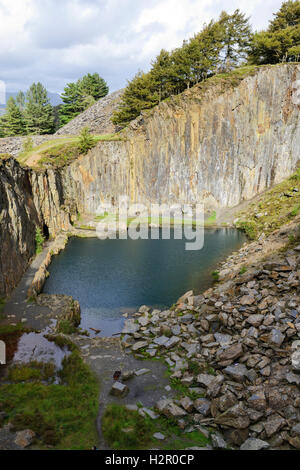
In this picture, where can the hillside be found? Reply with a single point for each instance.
(97, 117)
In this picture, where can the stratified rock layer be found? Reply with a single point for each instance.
(221, 145)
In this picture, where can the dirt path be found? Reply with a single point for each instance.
(105, 356)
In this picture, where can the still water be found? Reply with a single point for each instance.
(112, 277)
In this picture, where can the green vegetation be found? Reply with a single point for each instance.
(275, 208)
(62, 342)
(216, 276)
(28, 145)
(127, 430)
(66, 327)
(86, 141)
(34, 371)
(61, 151)
(220, 46)
(39, 240)
(63, 416)
(12, 329)
(281, 41)
(78, 96)
(243, 270)
(212, 219)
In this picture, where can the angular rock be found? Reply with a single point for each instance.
(273, 424)
(119, 390)
(161, 341)
(187, 404)
(202, 405)
(139, 345)
(255, 444)
(258, 401)
(255, 320)
(296, 361)
(172, 342)
(24, 438)
(238, 372)
(276, 338)
(230, 354)
(218, 441)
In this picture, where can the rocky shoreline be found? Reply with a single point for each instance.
(236, 349)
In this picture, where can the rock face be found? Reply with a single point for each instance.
(218, 143)
(27, 200)
(221, 146)
(97, 117)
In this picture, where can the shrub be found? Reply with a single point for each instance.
(28, 145)
(39, 240)
(86, 141)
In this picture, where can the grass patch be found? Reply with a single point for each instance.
(212, 219)
(63, 416)
(127, 430)
(215, 276)
(66, 327)
(276, 207)
(34, 371)
(61, 151)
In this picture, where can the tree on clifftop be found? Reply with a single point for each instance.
(281, 41)
(236, 37)
(38, 112)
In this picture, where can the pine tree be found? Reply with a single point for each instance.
(93, 85)
(281, 41)
(161, 72)
(39, 117)
(139, 95)
(80, 95)
(13, 120)
(20, 100)
(237, 35)
(72, 98)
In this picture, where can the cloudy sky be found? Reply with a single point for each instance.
(57, 41)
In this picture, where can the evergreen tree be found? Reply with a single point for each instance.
(281, 42)
(93, 85)
(79, 96)
(20, 100)
(237, 35)
(139, 94)
(72, 98)
(39, 117)
(160, 73)
(13, 120)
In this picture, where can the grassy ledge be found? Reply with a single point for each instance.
(273, 209)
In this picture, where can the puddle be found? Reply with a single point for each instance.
(35, 347)
(23, 348)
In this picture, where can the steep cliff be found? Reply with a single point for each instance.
(27, 200)
(221, 142)
(217, 142)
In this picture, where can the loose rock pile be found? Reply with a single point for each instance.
(97, 117)
(243, 341)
